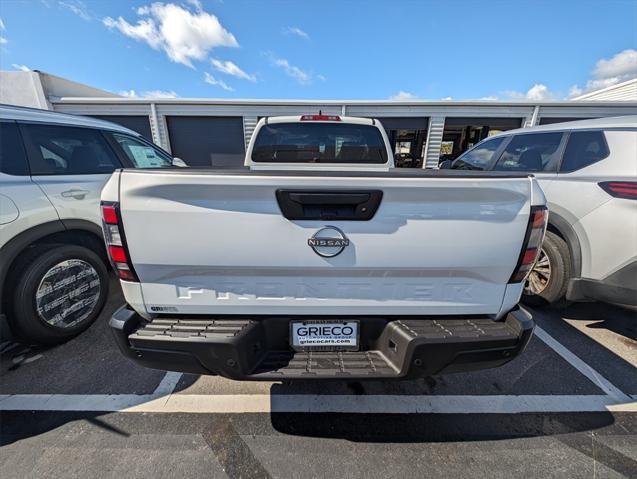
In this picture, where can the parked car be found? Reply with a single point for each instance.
(317, 261)
(53, 265)
(588, 171)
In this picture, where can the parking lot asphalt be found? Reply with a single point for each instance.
(566, 407)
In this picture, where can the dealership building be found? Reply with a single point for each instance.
(215, 132)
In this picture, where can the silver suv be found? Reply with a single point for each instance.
(53, 266)
(588, 171)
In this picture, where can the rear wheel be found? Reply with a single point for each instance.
(60, 290)
(547, 282)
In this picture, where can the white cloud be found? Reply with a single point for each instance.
(575, 91)
(148, 94)
(296, 31)
(77, 7)
(290, 70)
(196, 4)
(208, 78)
(608, 72)
(184, 35)
(230, 68)
(321, 77)
(160, 94)
(3, 40)
(489, 98)
(538, 92)
(403, 95)
(621, 65)
(23, 68)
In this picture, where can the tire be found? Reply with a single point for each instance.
(60, 290)
(549, 278)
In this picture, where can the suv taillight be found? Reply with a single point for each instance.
(115, 241)
(532, 243)
(620, 189)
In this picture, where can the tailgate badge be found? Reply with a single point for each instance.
(328, 242)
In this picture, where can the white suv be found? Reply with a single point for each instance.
(588, 171)
(53, 266)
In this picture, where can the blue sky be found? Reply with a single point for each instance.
(326, 49)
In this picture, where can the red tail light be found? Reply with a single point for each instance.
(620, 189)
(109, 214)
(320, 118)
(117, 254)
(532, 243)
(116, 242)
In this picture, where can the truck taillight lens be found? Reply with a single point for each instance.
(116, 243)
(532, 243)
(620, 189)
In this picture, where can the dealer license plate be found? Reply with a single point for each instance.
(324, 335)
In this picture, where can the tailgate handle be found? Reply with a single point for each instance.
(359, 205)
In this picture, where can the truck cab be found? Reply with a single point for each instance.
(319, 143)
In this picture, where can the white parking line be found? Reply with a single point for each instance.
(311, 403)
(167, 384)
(595, 377)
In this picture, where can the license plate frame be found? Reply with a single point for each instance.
(353, 339)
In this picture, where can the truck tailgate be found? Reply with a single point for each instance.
(206, 243)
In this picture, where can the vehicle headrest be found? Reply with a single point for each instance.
(352, 152)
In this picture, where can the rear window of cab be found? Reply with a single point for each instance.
(319, 143)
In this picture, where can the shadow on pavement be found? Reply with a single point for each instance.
(621, 321)
(407, 428)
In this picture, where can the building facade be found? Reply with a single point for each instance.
(214, 132)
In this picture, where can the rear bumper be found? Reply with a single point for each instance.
(257, 349)
(618, 288)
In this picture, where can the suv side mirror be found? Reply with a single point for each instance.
(445, 165)
(179, 162)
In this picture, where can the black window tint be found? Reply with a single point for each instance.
(142, 154)
(66, 150)
(12, 158)
(479, 157)
(207, 141)
(319, 143)
(531, 152)
(583, 148)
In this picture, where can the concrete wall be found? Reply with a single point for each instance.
(23, 89)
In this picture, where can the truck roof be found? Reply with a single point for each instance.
(307, 118)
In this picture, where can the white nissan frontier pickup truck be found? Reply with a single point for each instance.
(320, 260)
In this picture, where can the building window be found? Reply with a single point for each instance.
(408, 137)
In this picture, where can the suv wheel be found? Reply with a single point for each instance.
(548, 280)
(60, 290)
